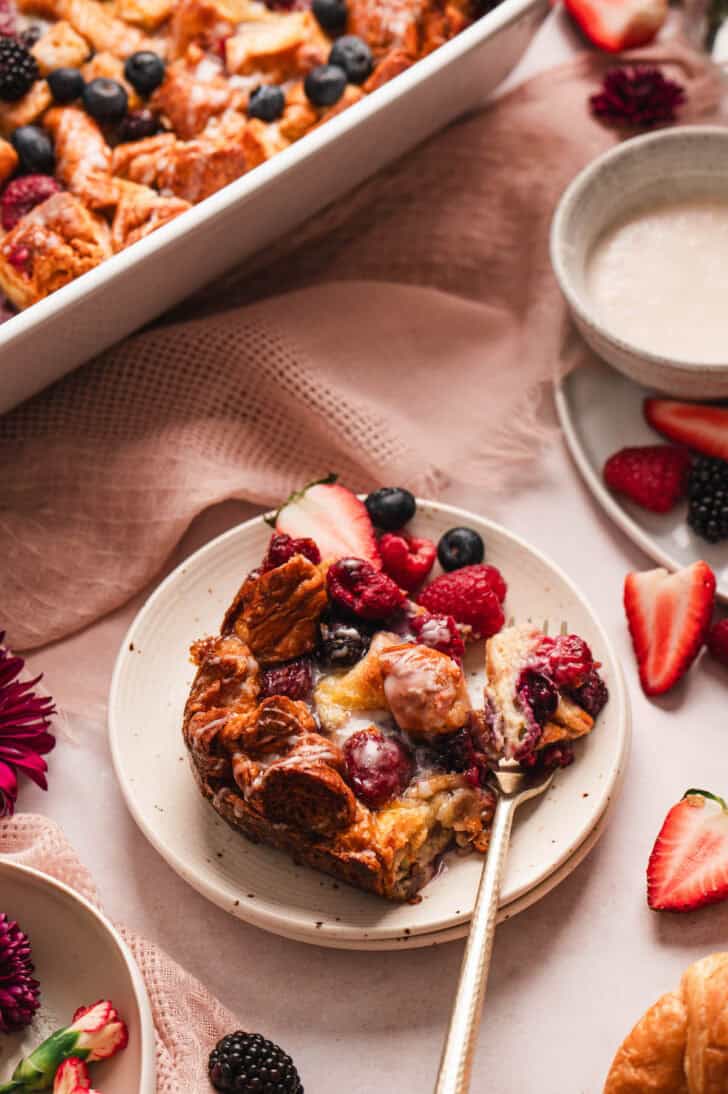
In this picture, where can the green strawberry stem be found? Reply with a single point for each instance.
(702, 793)
(37, 1071)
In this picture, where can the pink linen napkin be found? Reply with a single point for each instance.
(188, 1021)
(403, 336)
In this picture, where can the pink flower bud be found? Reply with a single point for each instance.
(101, 1032)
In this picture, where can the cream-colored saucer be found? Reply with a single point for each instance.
(255, 883)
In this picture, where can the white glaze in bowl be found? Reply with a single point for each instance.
(671, 165)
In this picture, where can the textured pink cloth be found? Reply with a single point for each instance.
(188, 1021)
(402, 336)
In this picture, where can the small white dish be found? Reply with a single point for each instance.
(256, 883)
(671, 165)
(601, 412)
(79, 958)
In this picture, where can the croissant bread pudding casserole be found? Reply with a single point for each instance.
(331, 716)
(680, 1046)
(118, 115)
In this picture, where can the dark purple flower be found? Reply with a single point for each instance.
(638, 97)
(24, 721)
(19, 995)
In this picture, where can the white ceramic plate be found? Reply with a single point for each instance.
(601, 411)
(79, 958)
(148, 691)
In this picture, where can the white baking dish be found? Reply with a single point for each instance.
(50, 338)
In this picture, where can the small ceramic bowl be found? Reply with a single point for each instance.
(674, 164)
(79, 958)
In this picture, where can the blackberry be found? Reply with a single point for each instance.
(18, 70)
(137, 125)
(708, 498)
(247, 1063)
(342, 642)
(593, 695)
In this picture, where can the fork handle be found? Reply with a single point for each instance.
(457, 1054)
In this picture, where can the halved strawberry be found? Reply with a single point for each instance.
(614, 25)
(702, 427)
(688, 867)
(655, 476)
(668, 616)
(334, 518)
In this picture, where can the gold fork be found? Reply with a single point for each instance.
(513, 786)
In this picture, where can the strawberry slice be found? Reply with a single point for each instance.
(614, 25)
(655, 476)
(334, 518)
(688, 867)
(704, 428)
(668, 616)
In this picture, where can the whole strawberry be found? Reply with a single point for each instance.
(717, 641)
(407, 559)
(654, 476)
(469, 596)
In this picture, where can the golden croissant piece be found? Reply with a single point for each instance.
(680, 1045)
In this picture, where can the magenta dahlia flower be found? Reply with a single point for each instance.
(24, 721)
(19, 991)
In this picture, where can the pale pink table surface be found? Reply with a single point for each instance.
(569, 976)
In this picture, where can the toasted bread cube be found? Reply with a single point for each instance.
(53, 244)
(27, 110)
(141, 211)
(60, 46)
(8, 160)
(146, 14)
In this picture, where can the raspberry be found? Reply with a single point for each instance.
(439, 632)
(537, 692)
(469, 597)
(283, 547)
(407, 559)
(8, 21)
(462, 752)
(377, 767)
(294, 679)
(593, 695)
(496, 580)
(566, 659)
(717, 641)
(23, 194)
(355, 585)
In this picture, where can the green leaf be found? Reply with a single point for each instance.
(707, 794)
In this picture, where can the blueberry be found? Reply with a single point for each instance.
(342, 642)
(266, 102)
(354, 56)
(325, 84)
(137, 125)
(331, 14)
(105, 100)
(460, 547)
(66, 84)
(34, 149)
(391, 507)
(144, 71)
